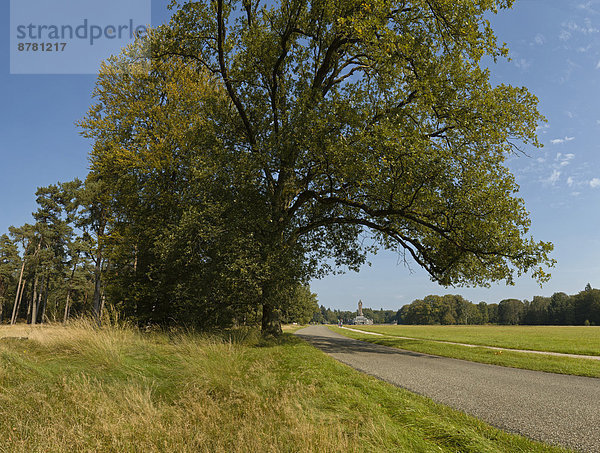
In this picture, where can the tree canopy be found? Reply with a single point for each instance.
(247, 147)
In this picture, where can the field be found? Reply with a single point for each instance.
(562, 339)
(115, 389)
(566, 339)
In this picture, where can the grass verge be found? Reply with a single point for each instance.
(80, 389)
(536, 362)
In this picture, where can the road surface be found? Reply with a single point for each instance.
(553, 408)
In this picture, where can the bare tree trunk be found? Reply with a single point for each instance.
(13, 318)
(29, 305)
(69, 294)
(96, 301)
(17, 307)
(38, 305)
(2, 291)
(102, 304)
(34, 301)
(32, 309)
(45, 300)
(67, 306)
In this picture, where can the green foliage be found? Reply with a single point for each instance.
(587, 306)
(328, 316)
(301, 307)
(559, 309)
(448, 309)
(241, 150)
(246, 149)
(48, 258)
(9, 267)
(510, 311)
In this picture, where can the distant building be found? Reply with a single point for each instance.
(361, 319)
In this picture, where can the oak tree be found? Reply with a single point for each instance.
(344, 126)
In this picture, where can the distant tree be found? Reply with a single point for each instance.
(466, 312)
(562, 309)
(303, 306)
(587, 306)
(483, 309)
(510, 311)
(318, 316)
(331, 317)
(420, 312)
(538, 311)
(493, 313)
(399, 317)
(472, 315)
(387, 316)
(28, 237)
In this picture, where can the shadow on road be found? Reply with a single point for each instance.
(337, 344)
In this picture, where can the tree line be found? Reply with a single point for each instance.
(52, 268)
(559, 309)
(70, 261)
(328, 316)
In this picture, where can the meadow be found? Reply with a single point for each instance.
(562, 339)
(78, 388)
(583, 340)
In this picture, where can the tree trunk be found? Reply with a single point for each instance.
(96, 307)
(96, 302)
(18, 299)
(45, 301)
(271, 315)
(69, 294)
(29, 305)
(34, 301)
(67, 306)
(2, 291)
(38, 305)
(271, 321)
(13, 318)
(103, 299)
(32, 309)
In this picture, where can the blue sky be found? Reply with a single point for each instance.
(555, 51)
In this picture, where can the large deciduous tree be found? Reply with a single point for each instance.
(315, 129)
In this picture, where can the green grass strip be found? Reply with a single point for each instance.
(563, 339)
(527, 361)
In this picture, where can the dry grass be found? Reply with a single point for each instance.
(83, 389)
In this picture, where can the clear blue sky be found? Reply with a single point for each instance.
(555, 50)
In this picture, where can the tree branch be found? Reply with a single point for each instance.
(225, 74)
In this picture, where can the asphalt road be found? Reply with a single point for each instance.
(553, 408)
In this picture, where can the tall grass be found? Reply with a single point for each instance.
(80, 388)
